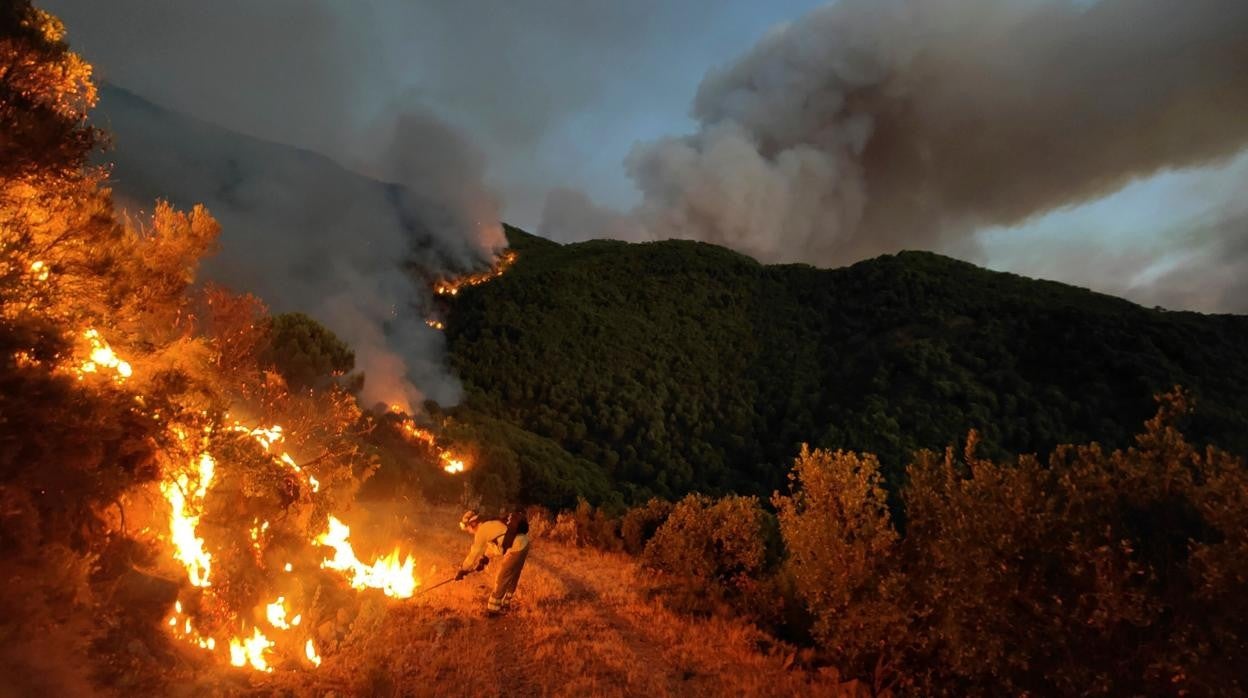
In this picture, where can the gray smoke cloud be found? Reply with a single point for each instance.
(870, 126)
(538, 85)
(1196, 260)
(305, 234)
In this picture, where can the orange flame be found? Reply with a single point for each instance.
(185, 487)
(276, 614)
(250, 651)
(451, 287)
(186, 506)
(102, 356)
(452, 462)
(386, 573)
(451, 465)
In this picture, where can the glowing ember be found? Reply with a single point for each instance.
(186, 631)
(40, 271)
(386, 573)
(435, 324)
(453, 466)
(451, 287)
(310, 652)
(102, 356)
(23, 359)
(251, 651)
(276, 613)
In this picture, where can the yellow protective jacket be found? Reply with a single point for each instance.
(487, 541)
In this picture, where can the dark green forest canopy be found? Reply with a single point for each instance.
(677, 366)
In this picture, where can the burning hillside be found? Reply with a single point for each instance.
(452, 286)
(254, 583)
(167, 472)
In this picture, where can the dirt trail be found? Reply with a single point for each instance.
(580, 625)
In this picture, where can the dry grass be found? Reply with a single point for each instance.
(582, 625)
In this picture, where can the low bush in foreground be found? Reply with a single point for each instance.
(1098, 572)
(1094, 572)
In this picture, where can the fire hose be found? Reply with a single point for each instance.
(453, 578)
(422, 592)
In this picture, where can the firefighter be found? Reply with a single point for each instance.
(493, 537)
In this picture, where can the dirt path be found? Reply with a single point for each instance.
(581, 625)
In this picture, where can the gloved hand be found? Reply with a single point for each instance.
(482, 563)
(461, 574)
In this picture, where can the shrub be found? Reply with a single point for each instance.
(564, 529)
(1093, 572)
(640, 524)
(541, 521)
(715, 549)
(305, 352)
(843, 558)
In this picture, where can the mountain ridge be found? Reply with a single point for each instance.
(665, 367)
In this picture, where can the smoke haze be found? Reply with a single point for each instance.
(305, 234)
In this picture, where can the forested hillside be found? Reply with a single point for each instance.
(618, 371)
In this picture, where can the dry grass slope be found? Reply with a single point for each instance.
(583, 625)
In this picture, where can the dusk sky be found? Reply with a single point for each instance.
(555, 94)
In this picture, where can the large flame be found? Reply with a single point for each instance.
(185, 508)
(185, 492)
(451, 464)
(386, 573)
(186, 488)
(276, 613)
(186, 485)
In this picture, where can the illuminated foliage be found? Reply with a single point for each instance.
(717, 549)
(1108, 572)
(842, 554)
(137, 443)
(45, 93)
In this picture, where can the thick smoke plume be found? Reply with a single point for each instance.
(874, 125)
(305, 234)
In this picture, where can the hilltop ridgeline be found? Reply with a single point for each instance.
(610, 370)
